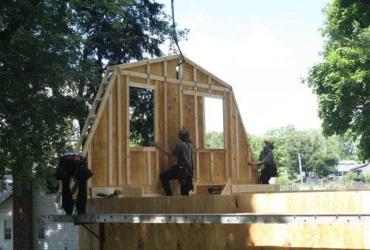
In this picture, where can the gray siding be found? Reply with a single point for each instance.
(6, 210)
(57, 236)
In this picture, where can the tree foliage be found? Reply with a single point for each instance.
(141, 117)
(319, 154)
(52, 54)
(215, 140)
(342, 80)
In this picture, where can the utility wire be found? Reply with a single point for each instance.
(174, 33)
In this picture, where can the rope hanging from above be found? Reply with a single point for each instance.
(174, 34)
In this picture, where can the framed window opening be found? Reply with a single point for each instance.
(214, 123)
(141, 116)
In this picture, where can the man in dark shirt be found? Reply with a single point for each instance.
(267, 160)
(183, 170)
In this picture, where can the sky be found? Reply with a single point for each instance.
(263, 49)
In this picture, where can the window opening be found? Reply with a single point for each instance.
(41, 229)
(7, 229)
(214, 123)
(141, 114)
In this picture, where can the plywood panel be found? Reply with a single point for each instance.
(141, 69)
(188, 112)
(99, 152)
(219, 166)
(138, 167)
(157, 68)
(187, 70)
(201, 77)
(173, 117)
(171, 68)
(205, 167)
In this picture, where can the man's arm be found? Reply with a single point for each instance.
(162, 149)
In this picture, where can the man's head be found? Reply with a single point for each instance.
(184, 135)
(269, 144)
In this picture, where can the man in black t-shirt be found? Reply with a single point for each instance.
(183, 170)
(267, 160)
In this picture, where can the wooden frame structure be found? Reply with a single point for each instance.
(179, 102)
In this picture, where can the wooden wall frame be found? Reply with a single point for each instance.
(179, 102)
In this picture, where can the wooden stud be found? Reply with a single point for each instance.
(237, 145)
(149, 167)
(110, 142)
(226, 137)
(196, 124)
(165, 105)
(212, 167)
(141, 85)
(128, 170)
(147, 72)
(119, 134)
(181, 111)
(173, 80)
(189, 92)
(231, 150)
(89, 166)
(156, 125)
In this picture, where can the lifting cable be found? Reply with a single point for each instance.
(174, 34)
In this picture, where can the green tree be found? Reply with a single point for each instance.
(214, 140)
(323, 164)
(52, 54)
(342, 80)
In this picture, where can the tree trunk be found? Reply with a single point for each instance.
(22, 215)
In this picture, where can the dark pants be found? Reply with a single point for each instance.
(67, 201)
(176, 172)
(267, 173)
(81, 197)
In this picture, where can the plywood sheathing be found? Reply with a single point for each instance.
(255, 236)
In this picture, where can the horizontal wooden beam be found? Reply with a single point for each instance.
(173, 80)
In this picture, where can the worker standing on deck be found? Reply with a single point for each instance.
(183, 170)
(267, 160)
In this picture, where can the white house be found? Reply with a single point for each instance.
(50, 236)
(6, 222)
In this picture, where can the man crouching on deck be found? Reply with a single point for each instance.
(183, 170)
